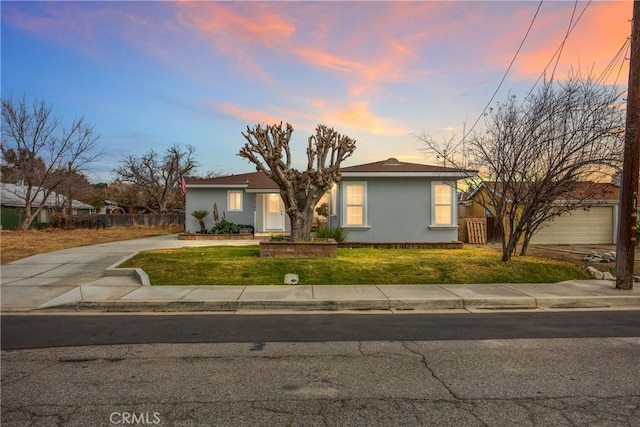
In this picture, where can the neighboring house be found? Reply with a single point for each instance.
(594, 221)
(110, 207)
(12, 197)
(386, 201)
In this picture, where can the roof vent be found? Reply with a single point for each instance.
(391, 161)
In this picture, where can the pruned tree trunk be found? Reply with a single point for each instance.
(300, 226)
(268, 149)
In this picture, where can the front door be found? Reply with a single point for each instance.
(275, 212)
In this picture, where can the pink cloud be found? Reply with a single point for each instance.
(250, 116)
(238, 30)
(602, 30)
(357, 115)
(374, 47)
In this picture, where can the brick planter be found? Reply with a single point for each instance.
(402, 245)
(314, 249)
(189, 236)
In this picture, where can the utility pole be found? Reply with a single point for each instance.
(631, 165)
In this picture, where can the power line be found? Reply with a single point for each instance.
(504, 76)
(558, 51)
(619, 56)
(624, 58)
(566, 36)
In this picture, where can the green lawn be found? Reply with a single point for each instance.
(241, 265)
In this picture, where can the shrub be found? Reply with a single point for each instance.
(339, 234)
(277, 237)
(228, 227)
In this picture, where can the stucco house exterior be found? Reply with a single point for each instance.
(594, 221)
(385, 201)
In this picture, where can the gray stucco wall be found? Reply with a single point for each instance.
(398, 210)
(204, 199)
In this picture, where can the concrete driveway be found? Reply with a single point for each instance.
(31, 282)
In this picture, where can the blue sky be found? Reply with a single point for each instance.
(149, 74)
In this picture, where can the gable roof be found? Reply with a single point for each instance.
(253, 181)
(586, 191)
(394, 166)
(259, 181)
(14, 195)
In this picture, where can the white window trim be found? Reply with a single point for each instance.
(229, 193)
(365, 215)
(453, 205)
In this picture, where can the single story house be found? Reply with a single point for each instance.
(385, 201)
(12, 199)
(594, 221)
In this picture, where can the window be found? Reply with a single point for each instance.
(355, 212)
(442, 204)
(235, 201)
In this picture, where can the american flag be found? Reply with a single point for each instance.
(183, 185)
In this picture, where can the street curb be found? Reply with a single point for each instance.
(195, 306)
(630, 301)
(589, 301)
(500, 303)
(455, 303)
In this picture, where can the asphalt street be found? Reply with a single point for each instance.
(516, 382)
(501, 369)
(38, 331)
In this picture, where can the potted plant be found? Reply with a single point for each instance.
(200, 216)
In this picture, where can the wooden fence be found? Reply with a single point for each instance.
(129, 220)
(478, 230)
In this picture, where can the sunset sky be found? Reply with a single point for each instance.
(149, 74)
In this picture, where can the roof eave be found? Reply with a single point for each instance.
(451, 175)
(263, 190)
(217, 185)
(594, 202)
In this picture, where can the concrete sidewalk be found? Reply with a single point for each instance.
(85, 279)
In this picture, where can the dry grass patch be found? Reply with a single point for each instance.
(15, 245)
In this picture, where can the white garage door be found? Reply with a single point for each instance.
(592, 226)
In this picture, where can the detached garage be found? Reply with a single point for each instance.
(594, 221)
(588, 225)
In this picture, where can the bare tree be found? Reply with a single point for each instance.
(157, 176)
(126, 196)
(540, 152)
(75, 186)
(42, 153)
(300, 190)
